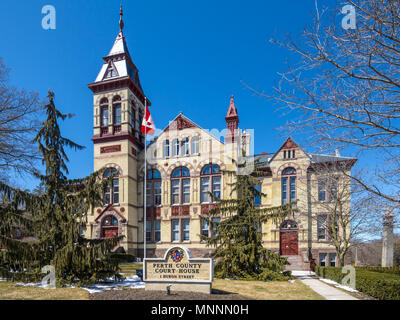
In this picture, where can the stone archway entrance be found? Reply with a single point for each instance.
(289, 238)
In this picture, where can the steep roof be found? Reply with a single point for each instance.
(118, 64)
(232, 111)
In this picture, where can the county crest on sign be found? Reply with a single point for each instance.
(179, 270)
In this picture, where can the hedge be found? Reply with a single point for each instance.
(382, 285)
(123, 257)
(394, 270)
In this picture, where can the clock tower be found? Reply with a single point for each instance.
(118, 108)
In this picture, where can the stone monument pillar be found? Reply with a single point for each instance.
(387, 241)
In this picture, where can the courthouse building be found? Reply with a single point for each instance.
(186, 162)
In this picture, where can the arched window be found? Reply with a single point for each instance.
(117, 109)
(180, 186)
(166, 149)
(195, 145)
(185, 147)
(153, 188)
(175, 148)
(111, 196)
(104, 112)
(109, 227)
(210, 182)
(288, 185)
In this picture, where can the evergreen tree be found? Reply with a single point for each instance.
(59, 214)
(238, 243)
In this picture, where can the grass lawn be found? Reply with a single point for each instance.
(9, 291)
(274, 290)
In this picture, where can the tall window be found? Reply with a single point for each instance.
(133, 116)
(321, 227)
(185, 230)
(153, 188)
(157, 230)
(321, 190)
(180, 186)
(322, 259)
(214, 226)
(166, 149)
(185, 147)
(336, 226)
(332, 259)
(148, 230)
(117, 109)
(210, 182)
(288, 185)
(205, 228)
(141, 134)
(195, 145)
(333, 189)
(104, 112)
(153, 230)
(328, 189)
(111, 195)
(180, 230)
(175, 230)
(257, 199)
(175, 148)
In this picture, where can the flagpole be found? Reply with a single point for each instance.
(145, 180)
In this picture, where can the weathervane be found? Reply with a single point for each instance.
(121, 22)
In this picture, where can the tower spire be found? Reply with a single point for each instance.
(232, 121)
(121, 22)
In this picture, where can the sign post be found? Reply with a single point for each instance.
(178, 270)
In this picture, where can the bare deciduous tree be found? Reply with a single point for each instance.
(345, 88)
(18, 122)
(343, 212)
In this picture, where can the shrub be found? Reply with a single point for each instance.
(393, 270)
(123, 257)
(383, 285)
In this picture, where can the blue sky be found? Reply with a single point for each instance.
(192, 56)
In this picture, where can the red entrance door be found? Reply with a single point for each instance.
(110, 232)
(289, 243)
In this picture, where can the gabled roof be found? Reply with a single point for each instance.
(181, 122)
(288, 144)
(108, 209)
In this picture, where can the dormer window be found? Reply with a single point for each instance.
(111, 71)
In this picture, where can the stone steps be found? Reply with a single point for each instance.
(296, 263)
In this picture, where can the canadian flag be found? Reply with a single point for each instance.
(148, 126)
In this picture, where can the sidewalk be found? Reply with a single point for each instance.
(329, 293)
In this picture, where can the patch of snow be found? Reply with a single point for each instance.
(298, 273)
(129, 282)
(291, 281)
(337, 285)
